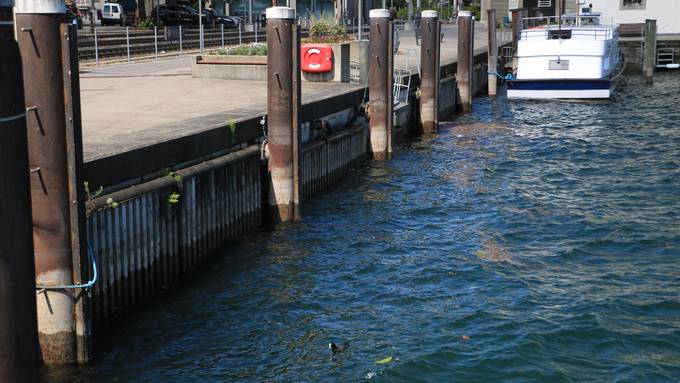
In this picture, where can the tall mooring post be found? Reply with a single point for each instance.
(19, 353)
(649, 61)
(516, 32)
(48, 53)
(429, 76)
(493, 53)
(465, 59)
(282, 108)
(380, 84)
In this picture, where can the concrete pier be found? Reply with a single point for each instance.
(492, 55)
(39, 38)
(429, 78)
(379, 85)
(19, 353)
(465, 59)
(280, 111)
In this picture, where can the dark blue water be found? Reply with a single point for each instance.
(529, 241)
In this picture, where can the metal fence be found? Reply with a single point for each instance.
(129, 44)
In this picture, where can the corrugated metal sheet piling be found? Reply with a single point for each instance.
(465, 59)
(493, 53)
(281, 109)
(649, 62)
(40, 37)
(429, 78)
(19, 358)
(380, 88)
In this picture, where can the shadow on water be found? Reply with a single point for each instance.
(528, 241)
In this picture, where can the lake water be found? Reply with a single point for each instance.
(528, 241)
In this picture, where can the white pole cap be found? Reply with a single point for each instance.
(465, 14)
(378, 13)
(40, 6)
(429, 14)
(280, 13)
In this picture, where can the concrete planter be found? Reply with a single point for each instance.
(230, 67)
(340, 71)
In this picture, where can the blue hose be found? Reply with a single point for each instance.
(87, 285)
(506, 77)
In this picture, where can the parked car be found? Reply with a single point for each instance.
(177, 15)
(112, 14)
(216, 17)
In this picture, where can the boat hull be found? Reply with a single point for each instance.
(566, 89)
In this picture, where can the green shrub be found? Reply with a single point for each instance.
(253, 49)
(148, 23)
(402, 13)
(324, 30)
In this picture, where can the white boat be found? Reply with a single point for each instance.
(567, 57)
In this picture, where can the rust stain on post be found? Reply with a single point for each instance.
(465, 59)
(281, 97)
(379, 84)
(429, 79)
(19, 358)
(493, 53)
(44, 87)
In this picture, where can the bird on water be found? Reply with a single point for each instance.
(335, 348)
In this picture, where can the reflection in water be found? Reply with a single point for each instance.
(528, 241)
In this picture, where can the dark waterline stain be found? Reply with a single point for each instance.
(528, 241)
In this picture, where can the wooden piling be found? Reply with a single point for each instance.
(429, 77)
(281, 110)
(492, 67)
(649, 62)
(19, 354)
(39, 38)
(380, 87)
(465, 59)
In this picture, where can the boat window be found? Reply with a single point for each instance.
(559, 34)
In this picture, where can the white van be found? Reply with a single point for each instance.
(113, 14)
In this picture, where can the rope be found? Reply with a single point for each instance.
(506, 77)
(12, 118)
(87, 285)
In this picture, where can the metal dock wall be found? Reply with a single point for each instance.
(327, 160)
(147, 241)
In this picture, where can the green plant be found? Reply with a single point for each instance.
(402, 13)
(173, 198)
(148, 23)
(111, 203)
(91, 195)
(254, 49)
(325, 30)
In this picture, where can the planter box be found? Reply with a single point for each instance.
(230, 67)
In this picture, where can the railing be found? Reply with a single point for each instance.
(401, 85)
(568, 27)
(583, 21)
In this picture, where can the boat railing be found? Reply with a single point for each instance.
(570, 21)
(568, 27)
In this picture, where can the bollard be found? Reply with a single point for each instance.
(429, 78)
(649, 62)
(379, 86)
(240, 42)
(492, 64)
(19, 353)
(282, 95)
(516, 32)
(40, 42)
(180, 41)
(465, 59)
(222, 34)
